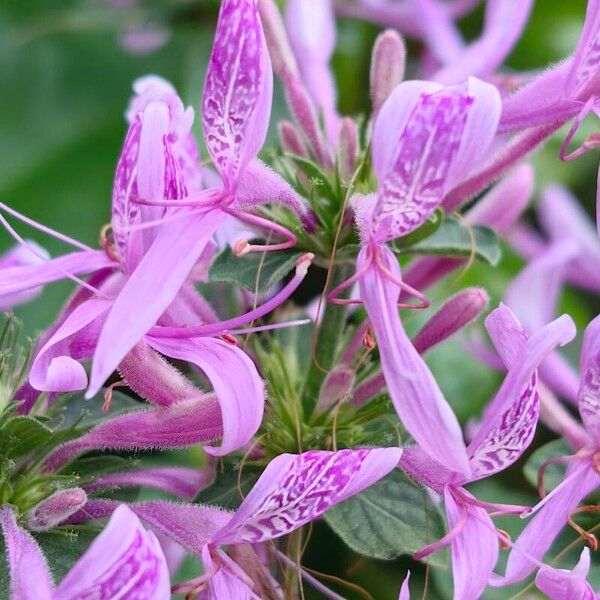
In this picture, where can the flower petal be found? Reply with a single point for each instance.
(563, 218)
(502, 28)
(150, 289)
(405, 590)
(17, 279)
(30, 577)
(241, 398)
(183, 424)
(589, 392)
(295, 489)
(510, 420)
(539, 534)
(179, 481)
(417, 398)
(583, 77)
(474, 550)
(123, 557)
(53, 368)
(238, 91)
(442, 138)
(560, 584)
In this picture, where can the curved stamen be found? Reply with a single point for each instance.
(302, 265)
(55, 234)
(447, 539)
(589, 143)
(242, 247)
(589, 538)
(48, 261)
(332, 296)
(425, 302)
(260, 328)
(554, 461)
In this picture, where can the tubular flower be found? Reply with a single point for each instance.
(581, 478)
(506, 431)
(292, 491)
(124, 561)
(423, 142)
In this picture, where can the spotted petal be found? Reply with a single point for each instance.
(296, 489)
(238, 91)
(124, 559)
(509, 423)
(426, 139)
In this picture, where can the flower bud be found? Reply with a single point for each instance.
(456, 313)
(337, 384)
(388, 61)
(348, 148)
(56, 508)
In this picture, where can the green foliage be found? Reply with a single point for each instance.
(257, 271)
(455, 239)
(553, 474)
(391, 518)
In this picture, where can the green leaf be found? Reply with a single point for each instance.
(91, 467)
(230, 486)
(23, 434)
(554, 473)
(316, 176)
(256, 271)
(393, 517)
(453, 239)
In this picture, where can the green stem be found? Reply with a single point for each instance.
(326, 347)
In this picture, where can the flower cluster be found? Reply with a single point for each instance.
(186, 360)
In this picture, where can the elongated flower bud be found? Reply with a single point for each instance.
(337, 384)
(291, 140)
(282, 57)
(348, 147)
(55, 509)
(456, 313)
(388, 62)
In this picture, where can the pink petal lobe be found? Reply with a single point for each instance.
(241, 398)
(296, 489)
(438, 143)
(589, 391)
(560, 584)
(150, 289)
(54, 369)
(583, 78)
(539, 534)
(474, 550)
(510, 421)
(124, 557)
(238, 91)
(30, 577)
(417, 398)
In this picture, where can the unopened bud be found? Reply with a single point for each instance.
(291, 139)
(56, 508)
(348, 148)
(457, 312)
(282, 57)
(388, 61)
(337, 385)
(369, 340)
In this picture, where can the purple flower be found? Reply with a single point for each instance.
(426, 138)
(292, 491)
(506, 431)
(581, 478)
(560, 584)
(123, 556)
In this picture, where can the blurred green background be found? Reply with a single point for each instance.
(65, 80)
